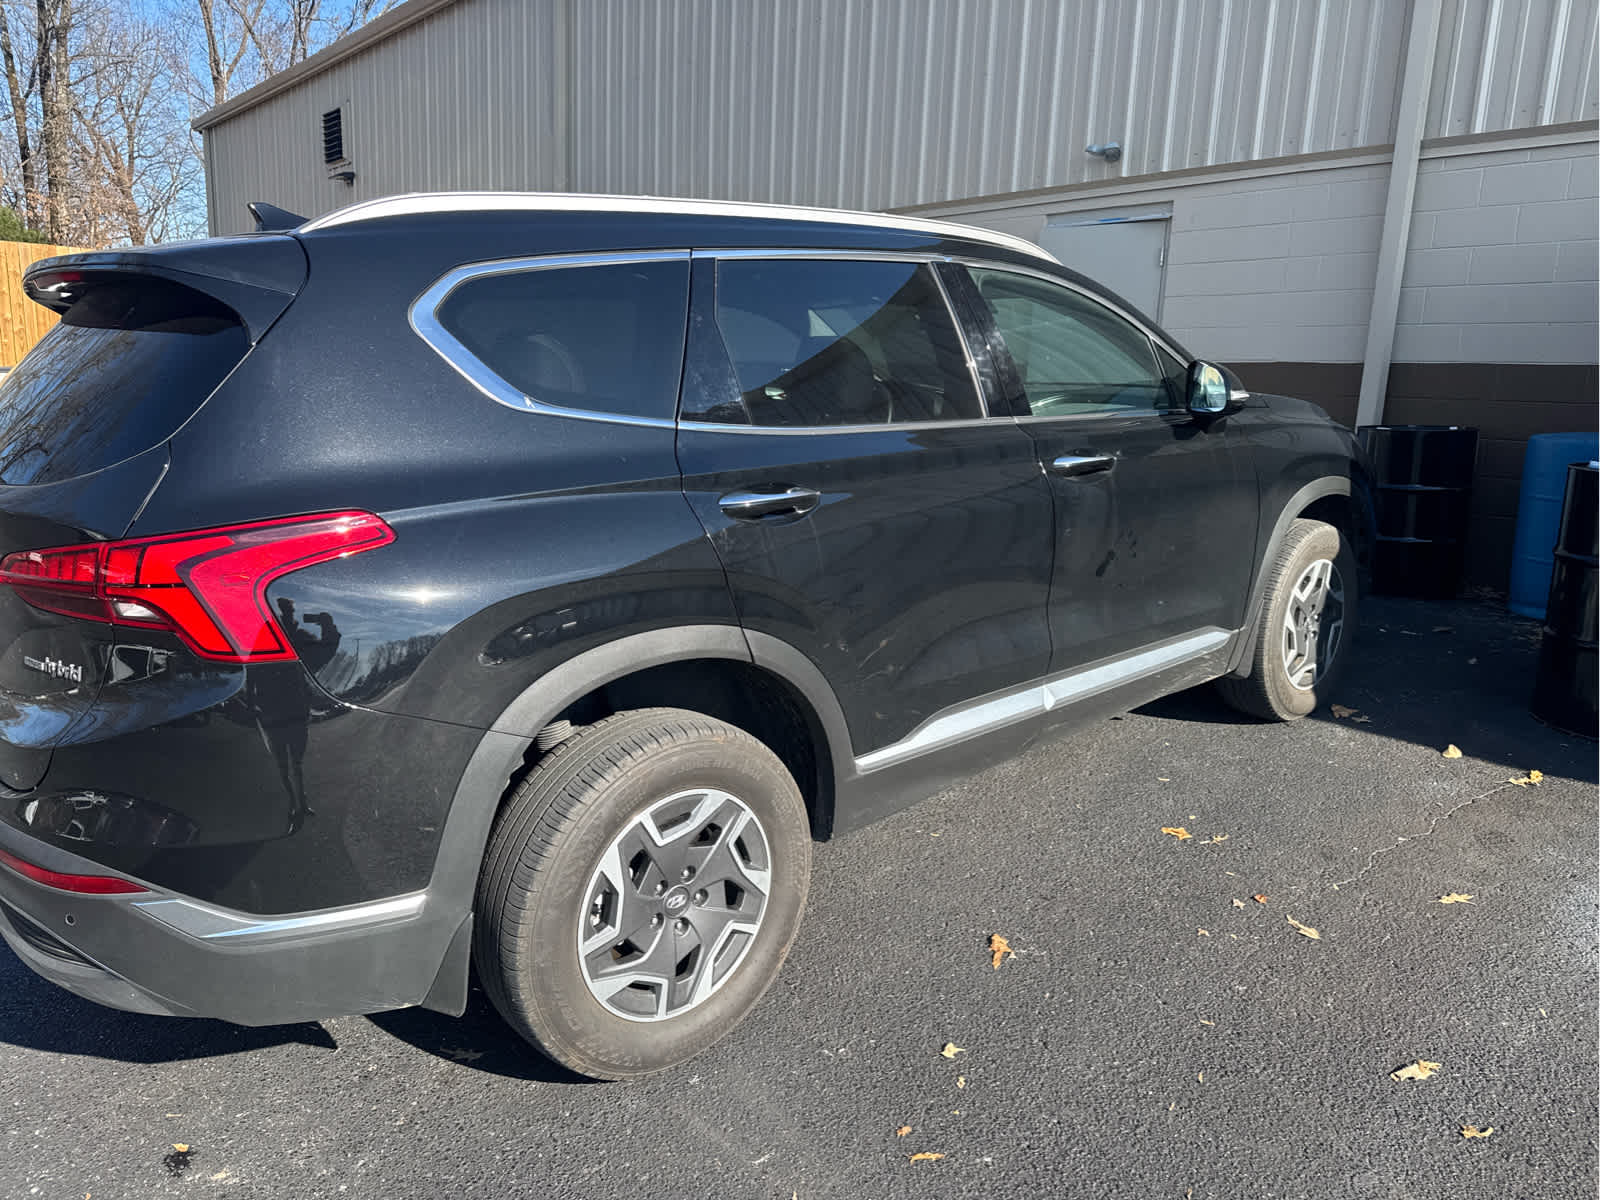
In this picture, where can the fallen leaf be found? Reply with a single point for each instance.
(1203, 1021)
(1162, 779)
(1420, 1069)
(1000, 948)
(1531, 779)
(1177, 831)
(1259, 898)
(181, 1147)
(1340, 711)
(1451, 751)
(1202, 933)
(1472, 1131)
(925, 1156)
(902, 1131)
(1200, 1078)
(1305, 930)
(1238, 903)
(950, 1050)
(1456, 898)
(1214, 839)
(961, 1081)
(1361, 719)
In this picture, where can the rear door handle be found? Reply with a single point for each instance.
(1082, 464)
(749, 506)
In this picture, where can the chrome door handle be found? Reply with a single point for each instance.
(1076, 464)
(748, 506)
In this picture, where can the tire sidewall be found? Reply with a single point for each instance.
(1320, 541)
(564, 1016)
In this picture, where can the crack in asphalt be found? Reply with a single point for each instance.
(1372, 859)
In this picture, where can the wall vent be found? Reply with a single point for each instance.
(333, 136)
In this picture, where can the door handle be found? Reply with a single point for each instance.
(1082, 464)
(749, 506)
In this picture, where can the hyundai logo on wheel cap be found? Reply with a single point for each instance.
(676, 899)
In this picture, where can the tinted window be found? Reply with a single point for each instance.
(1073, 355)
(128, 364)
(601, 338)
(818, 342)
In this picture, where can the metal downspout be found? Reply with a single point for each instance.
(1422, 38)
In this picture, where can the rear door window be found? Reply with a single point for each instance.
(129, 363)
(838, 342)
(604, 338)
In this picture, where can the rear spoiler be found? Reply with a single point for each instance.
(256, 276)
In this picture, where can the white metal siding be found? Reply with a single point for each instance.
(883, 103)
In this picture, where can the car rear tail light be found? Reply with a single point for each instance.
(84, 885)
(208, 586)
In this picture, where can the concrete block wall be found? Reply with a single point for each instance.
(1271, 270)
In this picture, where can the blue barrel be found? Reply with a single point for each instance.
(1544, 483)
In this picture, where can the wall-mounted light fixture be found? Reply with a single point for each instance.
(1110, 151)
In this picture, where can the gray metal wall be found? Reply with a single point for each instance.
(883, 103)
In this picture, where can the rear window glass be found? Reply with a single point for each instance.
(829, 342)
(128, 364)
(605, 338)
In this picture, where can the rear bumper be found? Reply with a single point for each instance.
(157, 952)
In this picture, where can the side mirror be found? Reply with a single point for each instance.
(1208, 389)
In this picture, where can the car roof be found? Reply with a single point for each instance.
(439, 203)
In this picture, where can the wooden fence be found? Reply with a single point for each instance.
(22, 322)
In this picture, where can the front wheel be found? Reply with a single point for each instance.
(1308, 617)
(641, 890)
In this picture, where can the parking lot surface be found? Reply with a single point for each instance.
(1164, 1029)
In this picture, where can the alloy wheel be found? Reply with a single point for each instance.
(1313, 624)
(674, 905)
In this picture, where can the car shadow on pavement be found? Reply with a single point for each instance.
(478, 1039)
(37, 1015)
(1433, 674)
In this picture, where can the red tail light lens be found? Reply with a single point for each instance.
(209, 586)
(84, 885)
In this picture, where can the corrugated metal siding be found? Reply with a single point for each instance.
(463, 99)
(1513, 64)
(884, 103)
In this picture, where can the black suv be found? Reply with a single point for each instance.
(522, 583)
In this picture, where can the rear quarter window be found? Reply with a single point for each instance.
(605, 338)
(128, 364)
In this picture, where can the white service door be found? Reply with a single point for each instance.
(1125, 256)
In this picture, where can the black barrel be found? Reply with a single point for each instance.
(1564, 688)
(1423, 479)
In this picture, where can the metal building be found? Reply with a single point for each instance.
(1388, 207)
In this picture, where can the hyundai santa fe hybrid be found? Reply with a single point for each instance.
(518, 585)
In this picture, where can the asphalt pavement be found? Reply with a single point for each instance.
(1164, 1029)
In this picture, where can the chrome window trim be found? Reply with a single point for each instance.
(792, 252)
(961, 722)
(424, 319)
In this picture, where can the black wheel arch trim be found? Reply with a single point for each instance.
(500, 753)
(1350, 487)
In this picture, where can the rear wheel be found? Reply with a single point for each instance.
(641, 890)
(1308, 615)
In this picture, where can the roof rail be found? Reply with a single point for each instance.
(417, 203)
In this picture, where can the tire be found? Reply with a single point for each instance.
(579, 851)
(1269, 691)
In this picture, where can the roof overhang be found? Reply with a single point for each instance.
(386, 26)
